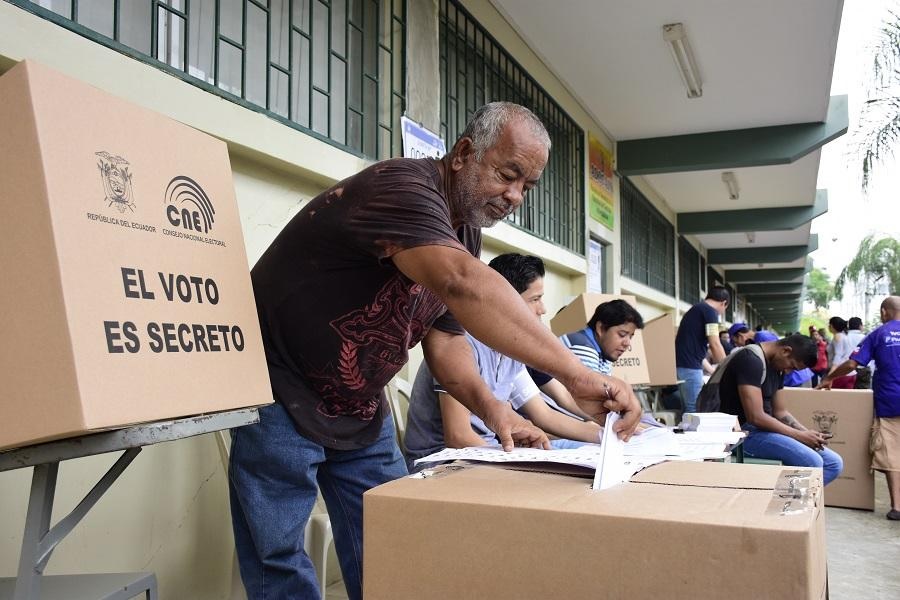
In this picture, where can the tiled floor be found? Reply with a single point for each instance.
(863, 552)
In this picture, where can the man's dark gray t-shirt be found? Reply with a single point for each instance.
(337, 317)
(746, 368)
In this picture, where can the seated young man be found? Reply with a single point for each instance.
(606, 337)
(436, 420)
(773, 432)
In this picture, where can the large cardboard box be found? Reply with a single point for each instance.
(659, 347)
(632, 365)
(676, 531)
(847, 415)
(126, 293)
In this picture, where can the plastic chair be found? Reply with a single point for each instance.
(398, 393)
(317, 539)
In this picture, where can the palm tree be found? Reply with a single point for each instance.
(879, 121)
(876, 265)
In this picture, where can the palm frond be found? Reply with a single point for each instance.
(878, 134)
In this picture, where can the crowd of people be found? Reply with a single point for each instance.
(749, 366)
(389, 258)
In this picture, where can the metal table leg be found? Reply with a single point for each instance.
(39, 541)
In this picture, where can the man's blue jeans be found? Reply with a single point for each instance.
(274, 478)
(767, 444)
(690, 389)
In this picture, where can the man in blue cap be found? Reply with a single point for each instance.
(740, 335)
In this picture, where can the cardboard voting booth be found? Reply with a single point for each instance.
(682, 530)
(126, 294)
(659, 348)
(651, 359)
(847, 415)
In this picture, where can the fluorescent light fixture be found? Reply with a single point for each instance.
(730, 181)
(674, 34)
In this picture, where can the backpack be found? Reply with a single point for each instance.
(708, 398)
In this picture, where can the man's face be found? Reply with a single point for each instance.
(785, 362)
(741, 338)
(487, 191)
(615, 340)
(724, 338)
(534, 297)
(721, 306)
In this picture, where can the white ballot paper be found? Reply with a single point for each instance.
(611, 468)
(586, 456)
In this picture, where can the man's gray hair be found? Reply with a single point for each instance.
(488, 121)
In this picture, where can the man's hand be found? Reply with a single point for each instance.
(512, 430)
(598, 395)
(825, 384)
(813, 439)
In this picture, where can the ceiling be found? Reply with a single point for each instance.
(764, 64)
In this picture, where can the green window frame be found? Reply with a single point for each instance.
(688, 272)
(648, 241)
(333, 69)
(475, 70)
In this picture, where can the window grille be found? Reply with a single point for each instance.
(476, 70)
(729, 311)
(688, 272)
(648, 241)
(704, 286)
(334, 69)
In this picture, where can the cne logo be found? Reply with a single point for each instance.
(116, 180)
(188, 206)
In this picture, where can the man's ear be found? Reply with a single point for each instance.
(463, 152)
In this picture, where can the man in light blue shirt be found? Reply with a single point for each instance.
(436, 420)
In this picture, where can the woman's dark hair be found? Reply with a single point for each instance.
(854, 323)
(616, 312)
(520, 270)
(838, 324)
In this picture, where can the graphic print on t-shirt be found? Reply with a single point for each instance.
(373, 349)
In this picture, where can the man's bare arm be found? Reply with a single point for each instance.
(491, 310)
(451, 362)
(715, 348)
(842, 369)
(458, 432)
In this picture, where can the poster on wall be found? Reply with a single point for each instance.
(601, 185)
(595, 267)
(419, 142)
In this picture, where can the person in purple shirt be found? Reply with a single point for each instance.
(882, 346)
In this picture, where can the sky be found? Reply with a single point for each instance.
(852, 215)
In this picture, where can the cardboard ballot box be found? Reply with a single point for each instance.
(681, 530)
(126, 293)
(651, 359)
(847, 415)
